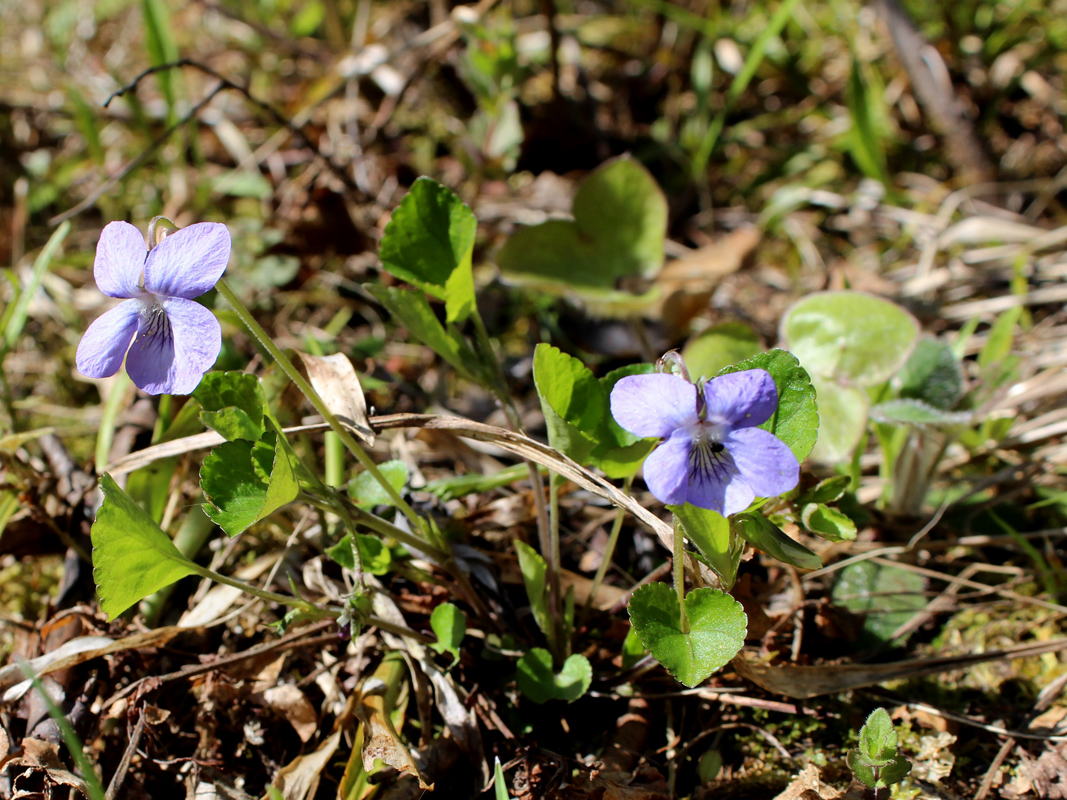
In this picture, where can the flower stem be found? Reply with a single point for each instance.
(309, 392)
(679, 573)
(609, 554)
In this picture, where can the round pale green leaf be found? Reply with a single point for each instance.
(717, 347)
(887, 597)
(540, 683)
(620, 222)
(829, 523)
(132, 556)
(430, 234)
(797, 420)
(717, 627)
(850, 337)
(843, 419)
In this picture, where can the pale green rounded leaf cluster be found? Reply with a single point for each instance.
(852, 338)
(717, 626)
(847, 341)
(132, 556)
(540, 683)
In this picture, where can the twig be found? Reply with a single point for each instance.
(124, 764)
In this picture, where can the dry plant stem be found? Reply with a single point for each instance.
(309, 392)
(679, 574)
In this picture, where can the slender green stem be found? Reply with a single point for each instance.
(378, 525)
(499, 388)
(552, 560)
(609, 553)
(263, 594)
(328, 416)
(679, 573)
(303, 605)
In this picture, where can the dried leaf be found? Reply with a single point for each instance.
(289, 702)
(299, 779)
(335, 379)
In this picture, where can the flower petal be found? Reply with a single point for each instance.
(120, 257)
(715, 483)
(666, 470)
(106, 341)
(764, 461)
(654, 405)
(742, 399)
(172, 356)
(188, 262)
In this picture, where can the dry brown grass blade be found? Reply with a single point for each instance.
(516, 443)
(803, 682)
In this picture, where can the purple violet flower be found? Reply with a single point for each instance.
(714, 456)
(174, 339)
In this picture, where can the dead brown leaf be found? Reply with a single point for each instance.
(299, 779)
(335, 379)
(289, 702)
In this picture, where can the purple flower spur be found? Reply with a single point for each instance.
(172, 340)
(714, 456)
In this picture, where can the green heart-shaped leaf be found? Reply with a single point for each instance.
(232, 403)
(571, 400)
(797, 420)
(717, 626)
(449, 624)
(132, 556)
(366, 491)
(620, 222)
(429, 242)
(246, 481)
(538, 682)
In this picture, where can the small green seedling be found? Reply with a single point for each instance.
(876, 762)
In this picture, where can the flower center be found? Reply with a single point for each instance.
(153, 317)
(709, 459)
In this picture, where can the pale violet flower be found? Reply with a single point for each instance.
(714, 456)
(172, 340)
